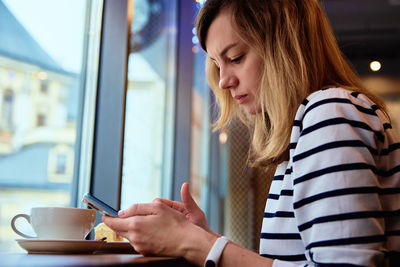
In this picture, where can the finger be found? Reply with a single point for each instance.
(123, 225)
(139, 209)
(163, 200)
(116, 224)
(170, 203)
(187, 198)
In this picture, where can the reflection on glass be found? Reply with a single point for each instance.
(201, 127)
(149, 102)
(40, 66)
(200, 134)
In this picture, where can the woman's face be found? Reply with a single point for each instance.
(239, 66)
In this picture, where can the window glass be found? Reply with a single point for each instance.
(208, 150)
(200, 132)
(149, 118)
(201, 127)
(41, 52)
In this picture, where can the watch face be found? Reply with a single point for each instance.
(147, 22)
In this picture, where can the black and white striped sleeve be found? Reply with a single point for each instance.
(337, 180)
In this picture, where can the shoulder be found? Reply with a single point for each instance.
(339, 96)
(339, 103)
(339, 113)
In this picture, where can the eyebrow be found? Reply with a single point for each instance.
(226, 49)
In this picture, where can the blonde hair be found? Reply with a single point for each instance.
(301, 56)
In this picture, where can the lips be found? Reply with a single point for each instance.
(240, 98)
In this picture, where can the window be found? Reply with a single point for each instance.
(61, 164)
(149, 114)
(153, 135)
(44, 59)
(120, 129)
(200, 133)
(7, 110)
(41, 120)
(205, 175)
(44, 85)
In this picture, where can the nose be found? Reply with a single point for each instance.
(227, 79)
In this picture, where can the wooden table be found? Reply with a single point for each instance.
(24, 259)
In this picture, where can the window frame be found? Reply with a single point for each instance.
(102, 133)
(108, 135)
(183, 106)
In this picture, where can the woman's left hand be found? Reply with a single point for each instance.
(156, 229)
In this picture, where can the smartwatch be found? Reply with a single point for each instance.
(215, 253)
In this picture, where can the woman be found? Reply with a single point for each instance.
(334, 197)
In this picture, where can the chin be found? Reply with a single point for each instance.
(252, 110)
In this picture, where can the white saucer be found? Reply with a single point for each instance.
(60, 246)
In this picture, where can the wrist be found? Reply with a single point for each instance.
(214, 234)
(197, 245)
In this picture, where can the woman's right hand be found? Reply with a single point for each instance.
(188, 207)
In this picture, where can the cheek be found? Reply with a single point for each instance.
(258, 74)
(253, 75)
(255, 106)
(255, 87)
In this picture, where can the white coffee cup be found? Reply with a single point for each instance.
(58, 223)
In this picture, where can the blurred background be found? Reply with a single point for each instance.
(111, 99)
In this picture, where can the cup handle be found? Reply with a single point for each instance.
(27, 217)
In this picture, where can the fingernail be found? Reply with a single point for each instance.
(121, 213)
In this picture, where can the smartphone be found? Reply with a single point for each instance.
(99, 205)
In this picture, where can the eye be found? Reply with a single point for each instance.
(237, 59)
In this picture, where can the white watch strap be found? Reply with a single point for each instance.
(215, 253)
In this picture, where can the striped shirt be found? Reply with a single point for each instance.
(336, 201)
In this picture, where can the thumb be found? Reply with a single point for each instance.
(187, 198)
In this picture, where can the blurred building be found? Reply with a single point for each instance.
(33, 109)
(37, 126)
